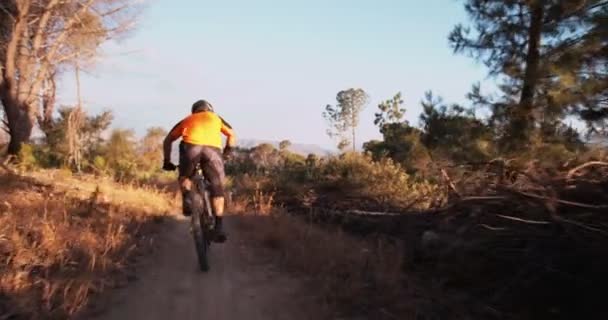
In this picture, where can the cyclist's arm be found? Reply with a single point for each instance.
(173, 135)
(229, 133)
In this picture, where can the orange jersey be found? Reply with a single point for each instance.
(205, 129)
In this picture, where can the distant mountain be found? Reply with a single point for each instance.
(300, 148)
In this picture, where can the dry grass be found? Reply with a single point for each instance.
(362, 278)
(63, 239)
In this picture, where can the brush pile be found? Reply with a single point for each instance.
(523, 243)
(505, 241)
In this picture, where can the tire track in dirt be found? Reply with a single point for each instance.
(240, 284)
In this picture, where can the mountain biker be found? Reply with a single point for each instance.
(201, 143)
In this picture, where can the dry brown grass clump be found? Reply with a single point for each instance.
(63, 239)
(363, 277)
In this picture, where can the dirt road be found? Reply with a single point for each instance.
(240, 285)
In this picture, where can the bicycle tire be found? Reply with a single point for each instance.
(201, 241)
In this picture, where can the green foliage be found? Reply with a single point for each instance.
(26, 157)
(382, 183)
(284, 145)
(100, 164)
(93, 129)
(550, 57)
(292, 159)
(391, 111)
(89, 135)
(384, 180)
(454, 133)
(446, 132)
(121, 153)
(403, 144)
(343, 118)
(150, 153)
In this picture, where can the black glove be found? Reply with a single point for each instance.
(228, 151)
(168, 166)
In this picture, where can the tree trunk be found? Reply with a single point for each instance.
(45, 120)
(20, 125)
(20, 134)
(522, 122)
(354, 141)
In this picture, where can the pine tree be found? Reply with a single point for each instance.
(549, 56)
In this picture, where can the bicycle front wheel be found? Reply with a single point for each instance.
(201, 241)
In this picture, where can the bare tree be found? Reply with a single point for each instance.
(39, 38)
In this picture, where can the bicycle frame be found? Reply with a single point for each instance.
(201, 184)
(202, 222)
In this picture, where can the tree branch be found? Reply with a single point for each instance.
(42, 26)
(573, 13)
(58, 42)
(572, 172)
(111, 11)
(522, 220)
(8, 13)
(24, 63)
(10, 63)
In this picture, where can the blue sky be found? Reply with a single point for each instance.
(270, 67)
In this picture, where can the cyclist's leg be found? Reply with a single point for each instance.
(189, 156)
(213, 168)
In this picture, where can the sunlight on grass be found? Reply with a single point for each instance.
(63, 239)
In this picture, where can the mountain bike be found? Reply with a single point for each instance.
(202, 222)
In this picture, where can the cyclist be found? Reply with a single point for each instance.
(201, 143)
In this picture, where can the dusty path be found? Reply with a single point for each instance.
(240, 284)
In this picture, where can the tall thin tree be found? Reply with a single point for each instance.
(343, 118)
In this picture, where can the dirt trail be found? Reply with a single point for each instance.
(240, 284)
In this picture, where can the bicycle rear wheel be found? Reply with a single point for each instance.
(199, 232)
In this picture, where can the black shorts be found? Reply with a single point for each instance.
(211, 162)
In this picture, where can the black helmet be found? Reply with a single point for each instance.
(201, 105)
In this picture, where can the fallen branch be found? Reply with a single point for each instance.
(467, 199)
(523, 220)
(449, 182)
(4, 165)
(492, 228)
(583, 166)
(483, 198)
(371, 213)
(560, 201)
(581, 225)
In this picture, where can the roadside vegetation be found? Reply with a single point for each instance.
(64, 239)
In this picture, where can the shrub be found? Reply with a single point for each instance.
(351, 177)
(384, 181)
(100, 164)
(27, 158)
